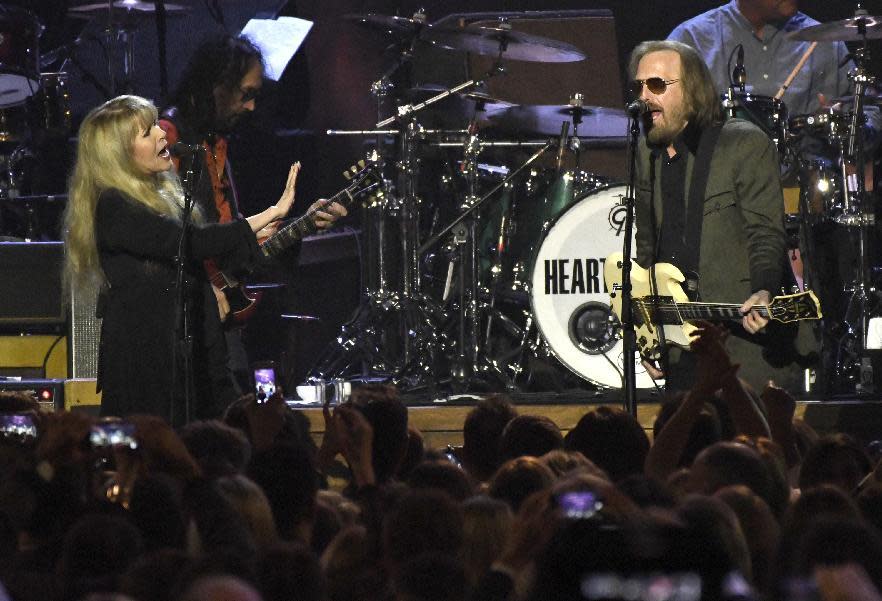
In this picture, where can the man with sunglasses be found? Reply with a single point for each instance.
(709, 201)
(219, 87)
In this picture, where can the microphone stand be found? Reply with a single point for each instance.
(182, 349)
(629, 334)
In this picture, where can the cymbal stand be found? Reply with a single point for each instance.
(853, 360)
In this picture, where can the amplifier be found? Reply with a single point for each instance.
(49, 394)
(30, 283)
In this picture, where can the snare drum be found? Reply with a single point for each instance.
(19, 55)
(770, 114)
(568, 297)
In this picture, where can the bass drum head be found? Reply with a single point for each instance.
(570, 302)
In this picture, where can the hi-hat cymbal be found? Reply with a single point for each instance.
(147, 7)
(386, 23)
(515, 45)
(546, 119)
(845, 30)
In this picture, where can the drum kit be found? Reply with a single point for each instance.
(448, 304)
(485, 300)
(35, 103)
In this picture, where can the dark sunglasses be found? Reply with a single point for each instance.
(656, 85)
(249, 94)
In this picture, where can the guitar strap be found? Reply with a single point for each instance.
(695, 206)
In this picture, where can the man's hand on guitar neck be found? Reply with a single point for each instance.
(324, 216)
(752, 321)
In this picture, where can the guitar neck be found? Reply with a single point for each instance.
(668, 313)
(302, 226)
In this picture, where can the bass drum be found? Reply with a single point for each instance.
(570, 303)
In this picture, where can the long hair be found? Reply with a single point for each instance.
(703, 105)
(105, 161)
(220, 61)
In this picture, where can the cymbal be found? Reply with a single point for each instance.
(146, 7)
(845, 30)
(546, 119)
(516, 45)
(386, 23)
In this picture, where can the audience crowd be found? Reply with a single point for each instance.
(733, 498)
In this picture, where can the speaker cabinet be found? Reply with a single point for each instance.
(30, 284)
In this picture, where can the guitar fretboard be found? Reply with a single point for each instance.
(304, 225)
(671, 313)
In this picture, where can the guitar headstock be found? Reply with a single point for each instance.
(795, 307)
(363, 177)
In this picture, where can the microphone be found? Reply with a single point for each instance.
(739, 75)
(637, 108)
(182, 149)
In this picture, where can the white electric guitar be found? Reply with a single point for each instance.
(669, 306)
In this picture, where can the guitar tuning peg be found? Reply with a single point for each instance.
(361, 164)
(347, 175)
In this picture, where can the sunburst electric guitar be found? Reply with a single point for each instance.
(670, 310)
(362, 180)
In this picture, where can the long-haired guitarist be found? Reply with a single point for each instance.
(709, 201)
(219, 88)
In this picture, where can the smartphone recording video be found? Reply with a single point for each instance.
(264, 383)
(111, 434)
(18, 426)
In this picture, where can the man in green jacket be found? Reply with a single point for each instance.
(709, 201)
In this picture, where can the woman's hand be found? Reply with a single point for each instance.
(286, 201)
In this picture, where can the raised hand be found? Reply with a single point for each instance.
(714, 365)
(286, 201)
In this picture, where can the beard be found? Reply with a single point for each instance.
(662, 132)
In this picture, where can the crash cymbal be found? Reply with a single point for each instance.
(515, 45)
(845, 30)
(388, 24)
(146, 7)
(546, 119)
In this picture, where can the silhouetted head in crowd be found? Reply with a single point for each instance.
(727, 463)
(869, 501)
(97, 551)
(718, 525)
(836, 541)
(416, 452)
(772, 456)
(430, 577)
(352, 568)
(444, 476)
(287, 475)
(835, 459)
(387, 415)
(423, 521)
(517, 479)
(613, 439)
(161, 450)
(220, 450)
(562, 462)
(155, 507)
(822, 500)
(529, 436)
(14, 401)
(647, 492)
(486, 526)
(251, 503)
(155, 576)
(294, 430)
(761, 530)
(481, 433)
(220, 588)
(290, 571)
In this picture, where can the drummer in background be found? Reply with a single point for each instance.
(761, 26)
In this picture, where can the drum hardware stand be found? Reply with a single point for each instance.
(856, 215)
